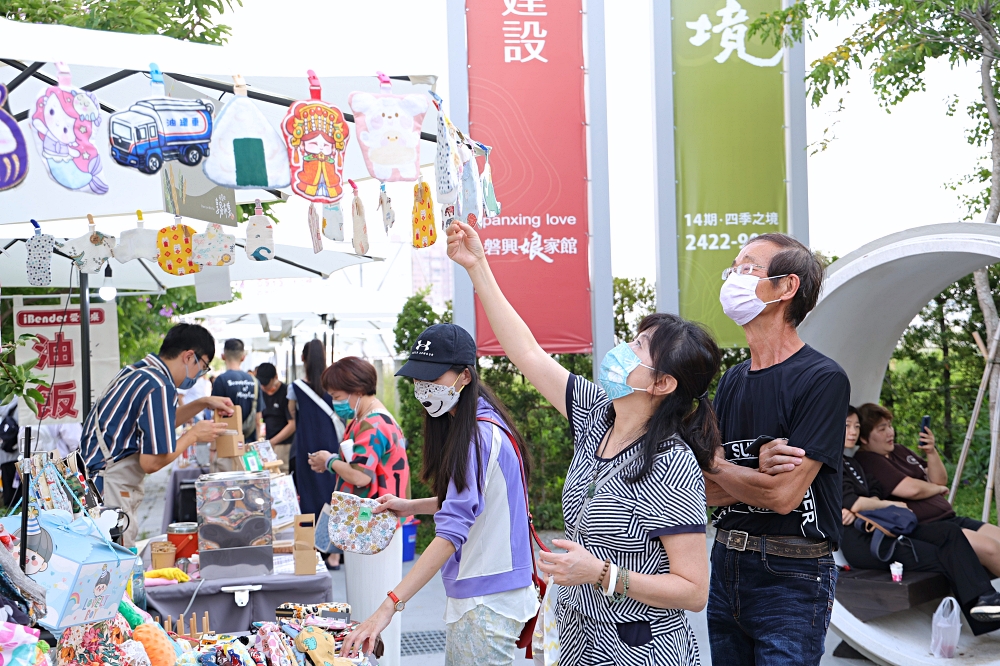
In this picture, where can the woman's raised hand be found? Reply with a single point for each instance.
(464, 246)
(399, 506)
(574, 567)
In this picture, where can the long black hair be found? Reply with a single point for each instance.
(448, 438)
(686, 352)
(314, 363)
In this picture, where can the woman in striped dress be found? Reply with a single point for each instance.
(634, 496)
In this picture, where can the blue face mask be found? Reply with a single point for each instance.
(343, 409)
(189, 382)
(615, 369)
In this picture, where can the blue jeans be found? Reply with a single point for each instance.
(767, 610)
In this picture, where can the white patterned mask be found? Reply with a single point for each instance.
(436, 398)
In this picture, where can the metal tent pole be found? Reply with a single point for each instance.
(25, 482)
(983, 384)
(85, 342)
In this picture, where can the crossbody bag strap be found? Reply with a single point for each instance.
(598, 484)
(532, 534)
(105, 451)
(327, 409)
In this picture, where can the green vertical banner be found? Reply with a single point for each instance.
(729, 138)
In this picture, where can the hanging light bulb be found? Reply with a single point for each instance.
(107, 292)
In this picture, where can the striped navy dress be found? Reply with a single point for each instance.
(623, 524)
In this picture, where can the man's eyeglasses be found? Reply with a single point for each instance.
(742, 269)
(205, 368)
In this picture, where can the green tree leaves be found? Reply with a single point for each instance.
(20, 380)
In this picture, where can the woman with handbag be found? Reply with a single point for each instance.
(477, 465)
(634, 495)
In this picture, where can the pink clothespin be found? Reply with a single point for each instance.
(353, 186)
(258, 209)
(63, 76)
(315, 91)
(384, 81)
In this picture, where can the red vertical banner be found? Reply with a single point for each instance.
(526, 100)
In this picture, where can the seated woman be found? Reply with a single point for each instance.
(937, 546)
(921, 483)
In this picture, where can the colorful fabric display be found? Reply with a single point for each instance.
(490, 204)
(17, 644)
(424, 232)
(333, 222)
(271, 644)
(388, 214)
(315, 235)
(63, 126)
(138, 243)
(135, 653)
(356, 528)
(89, 251)
(447, 163)
(247, 152)
(13, 148)
(214, 247)
(389, 131)
(316, 134)
(303, 611)
(320, 647)
(470, 203)
(161, 128)
(360, 240)
(39, 263)
(98, 642)
(260, 235)
(175, 252)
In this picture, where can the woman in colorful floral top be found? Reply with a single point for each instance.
(372, 461)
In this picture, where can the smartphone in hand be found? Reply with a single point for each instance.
(925, 423)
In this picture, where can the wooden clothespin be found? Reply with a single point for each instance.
(239, 85)
(90, 219)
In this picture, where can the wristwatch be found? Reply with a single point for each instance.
(397, 605)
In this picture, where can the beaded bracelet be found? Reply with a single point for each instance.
(600, 581)
(616, 597)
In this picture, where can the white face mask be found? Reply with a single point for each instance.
(436, 398)
(739, 297)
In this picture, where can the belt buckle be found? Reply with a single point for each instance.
(737, 540)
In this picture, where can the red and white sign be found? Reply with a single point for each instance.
(59, 356)
(526, 100)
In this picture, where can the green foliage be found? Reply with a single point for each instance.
(20, 381)
(247, 209)
(144, 320)
(634, 299)
(192, 20)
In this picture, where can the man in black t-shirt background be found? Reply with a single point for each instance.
(773, 574)
(279, 423)
(242, 388)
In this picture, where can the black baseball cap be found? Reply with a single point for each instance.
(436, 350)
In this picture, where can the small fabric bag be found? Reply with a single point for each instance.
(490, 203)
(174, 243)
(13, 148)
(247, 152)
(138, 243)
(360, 240)
(260, 235)
(63, 125)
(89, 251)
(424, 231)
(389, 131)
(892, 521)
(333, 222)
(448, 162)
(214, 247)
(388, 214)
(316, 135)
(470, 203)
(315, 235)
(356, 528)
(39, 263)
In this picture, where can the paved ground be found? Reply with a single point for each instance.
(425, 612)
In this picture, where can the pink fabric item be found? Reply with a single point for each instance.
(159, 582)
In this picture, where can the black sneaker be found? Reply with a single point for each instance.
(987, 608)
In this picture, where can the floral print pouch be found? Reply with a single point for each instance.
(356, 528)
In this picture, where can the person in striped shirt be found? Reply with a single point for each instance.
(130, 432)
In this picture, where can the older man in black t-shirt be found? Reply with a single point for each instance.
(773, 574)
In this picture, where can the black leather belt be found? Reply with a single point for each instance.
(785, 546)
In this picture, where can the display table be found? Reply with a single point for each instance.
(223, 613)
(178, 476)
